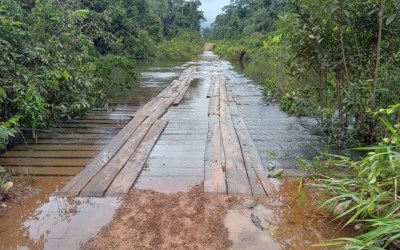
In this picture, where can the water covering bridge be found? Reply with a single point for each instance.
(166, 140)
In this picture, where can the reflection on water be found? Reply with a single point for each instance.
(290, 222)
(66, 223)
(49, 222)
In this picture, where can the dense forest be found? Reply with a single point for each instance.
(339, 62)
(57, 57)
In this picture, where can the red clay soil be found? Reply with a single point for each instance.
(208, 46)
(152, 220)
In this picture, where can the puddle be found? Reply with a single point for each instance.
(244, 234)
(50, 222)
(289, 222)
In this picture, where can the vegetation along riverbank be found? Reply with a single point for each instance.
(60, 58)
(337, 61)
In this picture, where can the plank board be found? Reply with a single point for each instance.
(128, 175)
(244, 141)
(46, 147)
(211, 88)
(43, 162)
(77, 141)
(74, 187)
(47, 171)
(214, 177)
(183, 91)
(48, 154)
(59, 136)
(236, 174)
(100, 182)
(257, 174)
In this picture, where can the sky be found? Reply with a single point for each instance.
(211, 9)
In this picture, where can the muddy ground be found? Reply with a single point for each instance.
(194, 220)
(21, 191)
(151, 220)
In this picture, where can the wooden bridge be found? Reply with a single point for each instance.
(209, 141)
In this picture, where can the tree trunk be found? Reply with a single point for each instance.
(378, 53)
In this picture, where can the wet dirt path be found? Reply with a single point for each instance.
(45, 221)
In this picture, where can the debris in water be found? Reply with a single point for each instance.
(250, 203)
(256, 221)
(6, 187)
(341, 207)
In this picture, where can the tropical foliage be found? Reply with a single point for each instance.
(370, 198)
(334, 59)
(59, 58)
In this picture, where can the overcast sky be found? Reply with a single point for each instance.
(211, 9)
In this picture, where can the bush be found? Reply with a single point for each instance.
(371, 197)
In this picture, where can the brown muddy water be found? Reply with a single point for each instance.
(46, 221)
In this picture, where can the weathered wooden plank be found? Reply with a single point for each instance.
(98, 121)
(214, 177)
(100, 182)
(258, 178)
(173, 172)
(59, 136)
(48, 154)
(211, 87)
(43, 162)
(176, 162)
(161, 109)
(171, 89)
(236, 175)
(255, 169)
(111, 131)
(244, 141)
(74, 187)
(47, 147)
(94, 125)
(213, 107)
(128, 175)
(77, 141)
(183, 90)
(47, 171)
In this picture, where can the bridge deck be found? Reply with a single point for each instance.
(168, 139)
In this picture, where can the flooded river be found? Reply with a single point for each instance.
(46, 221)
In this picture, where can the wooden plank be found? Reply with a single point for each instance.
(128, 175)
(94, 125)
(102, 180)
(62, 141)
(111, 131)
(74, 187)
(170, 90)
(183, 91)
(173, 172)
(211, 88)
(214, 177)
(97, 121)
(48, 154)
(213, 107)
(46, 147)
(244, 141)
(161, 109)
(47, 171)
(258, 178)
(59, 136)
(255, 169)
(43, 162)
(236, 175)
